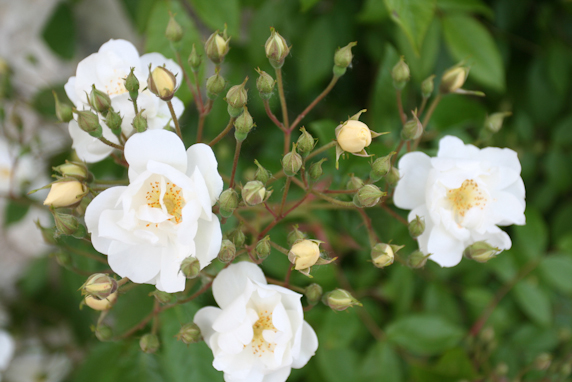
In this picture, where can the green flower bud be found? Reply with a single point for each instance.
(382, 255)
(162, 83)
(140, 122)
(566, 369)
(306, 142)
(217, 46)
(412, 129)
(103, 332)
(67, 224)
(343, 56)
(237, 96)
(276, 49)
(295, 235)
(114, 121)
(494, 122)
(400, 74)
(313, 293)
(339, 299)
(149, 343)
(89, 122)
(189, 334)
(395, 248)
(160, 296)
(132, 85)
(392, 177)
(254, 193)
(427, 86)
(99, 285)
(48, 234)
(265, 84)
(73, 169)
(292, 162)
(262, 174)
(237, 236)
(262, 249)
(315, 170)
(354, 183)
(228, 202)
(215, 86)
(417, 259)
(381, 167)
(63, 110)
(416, 227)
(339, 71)
(453, 79)
(99, 100)
(243, 124)
(174, 32)
(191, 267)
(481, 251)
(227, 251)
(501, 369)
(542, 361)
(195, 60)
(368, 196)
(62, 258)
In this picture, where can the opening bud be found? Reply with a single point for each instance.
(132, 85)
(89, 122)
(382, 255)
(453, 79)
(74, 170)
(174, 32)
(368, 196)
(392, 177)
(354, 183)
(162, 83)
(243, 124)
(416, 227)
(67, 224)
(189, 334)
(306, 142)
(254, 193)
(99, 100)
(292, 162)
(276, 49)
(381, 167)
(97, 303)
(343, 56)
(65, 194)
(295, 235)
(149, 343)
(542, 361)
(99, 285)
(494, 122)
(215, 85)
(339, 299)
(427, 86)
(313, 293)
(228, 202)
(417, 259)
(194, 59)
(400, 74)
(353, 136)
(412, 129)
(265, 84)
(227, 251)
(262, 174)
(103, 332)
(191, 267)
(114, 121)
(217, 46)
(160, 296)
(263, 248)
(63, 110)
(140, 122)
(315, 170)
(481, 251)
(304, 253)
(237, 96)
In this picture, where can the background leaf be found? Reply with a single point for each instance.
(413, 16)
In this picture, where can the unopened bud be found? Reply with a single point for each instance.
(174, 32)
(295, 235)
(494, 122)
(63, 110)
(254, 193)
(67, 224)
(354, 183)
(73, 170)
(339, 299)
(566, 369)
(217, 46)
(276, 49)
(382, 255)
(114, 121)
(194, 59)
(65, 194)
(189, 334)
(417, 259)
(400, 74)
(97, 303)
(292, 162)
(132, 85)
(542, 361)
(236, 97)
(412, 129)
(353, 136)
(343, 58)
(416, 227)
(243, 124)
(160, 296)
(380, 167)
(99, 100)
(227, 251)
(263, 248)
(48, 234)
(215, 86)
(191, 267)
(427, 86)
(62, 258)
(162, 83)
(481, 251)
(261, 174)
(89, 122)
(453, 79)
(306, 142)
(140, 122)
(392, 177)
(313, 293)
(99, 285)
(149, 343)
(103, 332)
(228, 202)
(237, 236)
(304, 254)
(368, 196)
(265, 84)
(315, 170)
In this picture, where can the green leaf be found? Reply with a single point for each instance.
(14, 212)
(59, 31)
(467, 39)
(533, 302)
(532, 238)
(139, 12)
(215, 16)
(373, 11)
(557, 272)
(414, 17)
(337, 365)
(453, 366)
(308, 4)
(472, 6)
(316, 54)
(421, 64)
(381, 364)
(424, 334)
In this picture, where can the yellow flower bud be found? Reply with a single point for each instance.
(65, 194)
(382, 255)
(162, 83)
(304, 254)
(453, 79)
(96, 303)
(353, 136)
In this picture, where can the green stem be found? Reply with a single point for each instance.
(321, 150)
(109, 143)
(223, 133)
(175, 119)
(235, 162)
(287, 131)
(332, 200)
(427, 118)
(315, 102)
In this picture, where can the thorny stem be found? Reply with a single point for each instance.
(315, 102)
(175, 119)
(109, 143)
(235, 162)
(223, 133)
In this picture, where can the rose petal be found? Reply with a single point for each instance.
(104, 201)
(445, 249)
(410, 190)
(231, 282)
(140, 263)
(208, 240)
(308, 347)
(201, 156)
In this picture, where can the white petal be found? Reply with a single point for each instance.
(7, 347)
(71, 92)
(88, 148)
(453, 147)
(104, 201)
(410, 190)
(201, 156)
(123, 49)
(208, 240)
(501, 157)
(204, 319)
(140, 263)
(86, 76)
(231, 282)
(158, 145)
(308, 348)
(280, 375)
(507, 209)
(172, 279)
(495, 237)
(446, 250)
(157, 59)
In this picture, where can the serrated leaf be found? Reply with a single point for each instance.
(533, 302)
(414, 17)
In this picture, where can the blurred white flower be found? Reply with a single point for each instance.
(259, 333)
(165, 214)
(7, 347)
(37, 366)
(107, 70)
(464, 194)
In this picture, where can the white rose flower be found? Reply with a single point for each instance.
(36, 365)
(7, 347)
(107, 70)
(259, 333)
(165, 214)
(463, 194)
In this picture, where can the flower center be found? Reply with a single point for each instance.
(116, 85)
(5, 172)
(259, 344)
(467, 196)
(172, 199)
